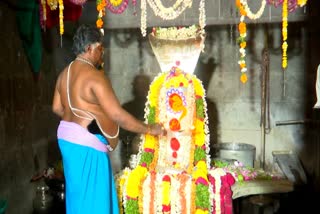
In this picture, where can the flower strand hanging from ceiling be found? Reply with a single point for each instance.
(284, 34)
(169, 13)
(292, 4)
(61, 8)
(242, 42)
(101, 8)
(287, 6)
(43, 14)
(244, 11)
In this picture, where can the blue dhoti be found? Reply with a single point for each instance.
(90, 186)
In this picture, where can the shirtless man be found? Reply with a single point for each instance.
(83, 95)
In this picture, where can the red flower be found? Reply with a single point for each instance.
(174, 144)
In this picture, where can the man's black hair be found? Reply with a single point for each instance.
(84, 36)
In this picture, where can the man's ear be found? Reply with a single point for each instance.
(88, 48)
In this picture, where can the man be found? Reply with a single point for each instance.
(83, 95)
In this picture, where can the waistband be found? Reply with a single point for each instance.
(75, 133)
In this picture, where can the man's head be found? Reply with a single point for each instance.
(140, 86)
(85, 36)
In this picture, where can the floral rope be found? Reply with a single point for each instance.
(249, 12)
(53, 4)
(169, 13)
(284, 34)
(101, 8)
(61, 8)
(242, 41)
(43, 12)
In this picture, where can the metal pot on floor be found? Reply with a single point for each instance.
(242, 152)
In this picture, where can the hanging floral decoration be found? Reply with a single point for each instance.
(119, 6)
(43, 13)
(61, 25)
(292, 4)
(53, 4)
(284, 34)
(249, 13)
(287, 6)
(169, 13)
(242, 41)
(101, 8)
(244, 11)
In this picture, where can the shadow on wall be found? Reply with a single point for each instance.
(140, 88)
(204, 71)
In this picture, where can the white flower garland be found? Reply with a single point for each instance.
(202, 14)
(146, 193)
(143, 20)
(169, 13)
(174, 33)
(248, 11)
(217, 174)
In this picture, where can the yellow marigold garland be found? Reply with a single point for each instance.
(134, 181)
(199, 131)
(284, 34)
(61, 8)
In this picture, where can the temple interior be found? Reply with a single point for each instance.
(270, 121)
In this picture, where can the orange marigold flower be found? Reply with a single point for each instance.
(243, 11)
(242, 27)
(99, 7)
(243, 44)
(244, 78)
(99, 23)
(238, 4)
(242, 65)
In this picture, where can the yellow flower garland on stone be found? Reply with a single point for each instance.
(134, 181)
(199, 130)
